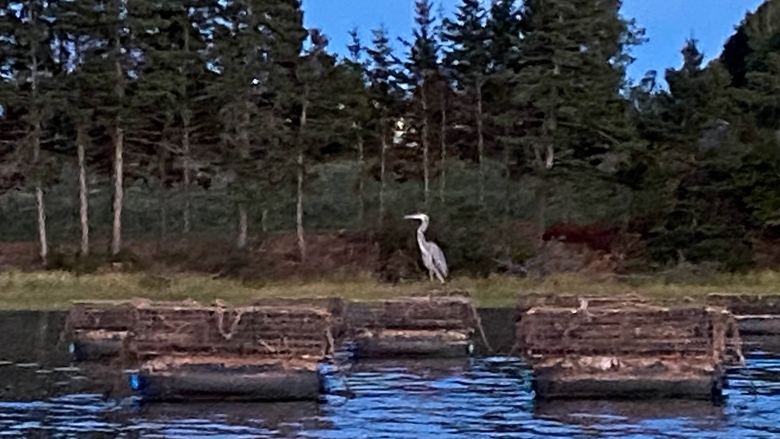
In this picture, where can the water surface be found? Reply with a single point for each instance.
(43, 395)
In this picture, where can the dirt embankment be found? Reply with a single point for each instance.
(275, 256)
(562, 248)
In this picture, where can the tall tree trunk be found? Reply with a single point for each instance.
(83, 190)
(545, 163)
(119, 145)
(299, 198)
(185, 141)
(480, 145)
(426, 175)
(42, 239)
(36, 145)
(361, 159)
(243, 226)
(116, 240)
(443, 142)
(382, 171)
(243, 134)
(299, 210)
(243, 222)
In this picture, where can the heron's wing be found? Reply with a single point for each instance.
(438, 258)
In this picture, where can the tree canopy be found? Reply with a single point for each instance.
(516, 111)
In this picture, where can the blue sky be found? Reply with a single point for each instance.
(667, 23)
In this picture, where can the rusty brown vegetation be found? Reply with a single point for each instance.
(276, 256)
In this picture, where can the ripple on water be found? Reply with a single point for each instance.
(487, 398)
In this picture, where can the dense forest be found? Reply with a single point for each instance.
(229, 132)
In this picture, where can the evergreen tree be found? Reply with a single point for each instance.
(171, 37)
(356, 104)
(315, 120)
(28, 61)
(231, 95)
(467, 56)
(422, 66)
(74, 105)
(504, 42)
(752, 56)
(255, 47)
(107, 58)
(386, 97)
(762, 84)
(701, 205)
(164, 90)
(572, 70)
(569, 82)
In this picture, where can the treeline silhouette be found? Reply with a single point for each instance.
(512, 125)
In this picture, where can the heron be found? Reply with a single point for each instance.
(432, 256)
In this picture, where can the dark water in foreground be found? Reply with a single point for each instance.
(42, 396)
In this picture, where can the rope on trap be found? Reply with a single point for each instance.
(220, 311)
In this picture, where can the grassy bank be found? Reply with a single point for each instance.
(57, 290)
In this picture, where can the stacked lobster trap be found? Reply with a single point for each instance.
(628, 349)
(412, 327)
(269, 350)
(186, 350)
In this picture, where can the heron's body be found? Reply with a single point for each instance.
(432, 256)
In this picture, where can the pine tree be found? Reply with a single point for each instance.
(572, 71)
(164, 91)
(467, 56)
(255, 47)
(386, 97)
(569, 82)
(106, 60)
(118, 54)
(73, 103)
(356, 105)
(231, 96)
(504, 42)
(422, 66)
(28, 61)
(701, 212)
(752, 57)
(313, 126)
(762, 85)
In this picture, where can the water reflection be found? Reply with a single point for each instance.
(43, 395)
(603, 418)
(277, 420)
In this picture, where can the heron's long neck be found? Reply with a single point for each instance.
(421, 232)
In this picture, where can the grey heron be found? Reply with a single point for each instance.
(432, 256)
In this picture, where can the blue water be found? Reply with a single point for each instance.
(476, 398)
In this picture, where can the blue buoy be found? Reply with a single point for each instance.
(135, 382)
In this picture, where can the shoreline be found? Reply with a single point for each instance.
(56, 290)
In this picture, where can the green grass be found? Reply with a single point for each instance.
(57, 290)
